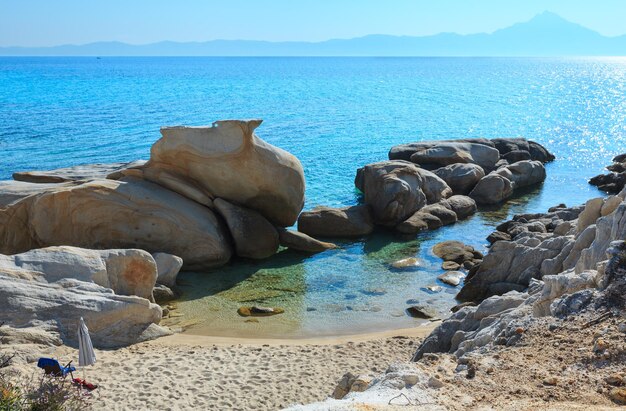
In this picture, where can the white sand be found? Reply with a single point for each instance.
(188, 372)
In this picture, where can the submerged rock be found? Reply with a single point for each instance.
(258, 311)
(420, 311)
(452, 278)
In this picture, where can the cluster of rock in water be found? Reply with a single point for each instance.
(613, 182)
(554, 265)
(205, 195)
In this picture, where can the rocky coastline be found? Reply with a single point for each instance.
(107, 241)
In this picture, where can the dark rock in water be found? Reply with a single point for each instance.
(461, 177)
(309, 309)
(404, 151)
(450, 266)
(412, 301)
(442, 211)
(296, 240)
(258, 311)
(352, 221)
(557, 207)
(612, 183)
(539, 152)
(419, 222)
(498, 236)
(392, 190)
(453, 251)
(492, 189)
(516, 155)
(420, 311)
(507, 145)
(463, 206)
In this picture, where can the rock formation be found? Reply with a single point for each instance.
(227, 160)
(355, 221)
(104, 214)
(50, 288)
(615, 180)
(254, 236)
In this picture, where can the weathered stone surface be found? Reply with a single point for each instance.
(510, 265)
(393, 191)
(352, 221)
(404, 151)
(608, 228)
(516, 155)
(433, 187)
(81, 172)
(492, 189)
(470, 327)
(463, 206)
(105, 214)
(453, 251)
(442, 211)
(523, 173)
(126, 272)
(168, 266)
(113, 320)
(254, 236)
(498, 236)
(299, 241)
(461, 177)
(419, 222)
(444, 154)
(12, 191)
(227, 160)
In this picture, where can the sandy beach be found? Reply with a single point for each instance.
(192, 372)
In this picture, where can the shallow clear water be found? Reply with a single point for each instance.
(335, 114)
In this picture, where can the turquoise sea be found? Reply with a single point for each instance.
(335, 114)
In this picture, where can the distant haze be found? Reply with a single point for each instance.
(546, 34)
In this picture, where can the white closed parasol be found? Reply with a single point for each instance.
(86, 355)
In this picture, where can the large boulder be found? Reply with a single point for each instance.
(126, 272)
(81, 172)
(523, 173)
(461, 177)
(444, 154)
(463, 206)
(105, 214)
(168, 266)
(511, 265)
(227, 160)
(354, 221)
(404, 151)
(492, 189)
(393, 191)
(54, 308)
(254, 236)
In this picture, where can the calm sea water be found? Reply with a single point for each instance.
(335, 114)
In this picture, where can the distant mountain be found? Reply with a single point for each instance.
(547, 34)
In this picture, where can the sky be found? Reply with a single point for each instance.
(57, 22)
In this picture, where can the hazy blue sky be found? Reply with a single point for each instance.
(54, 22)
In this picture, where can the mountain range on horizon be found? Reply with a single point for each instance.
(546, 34)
